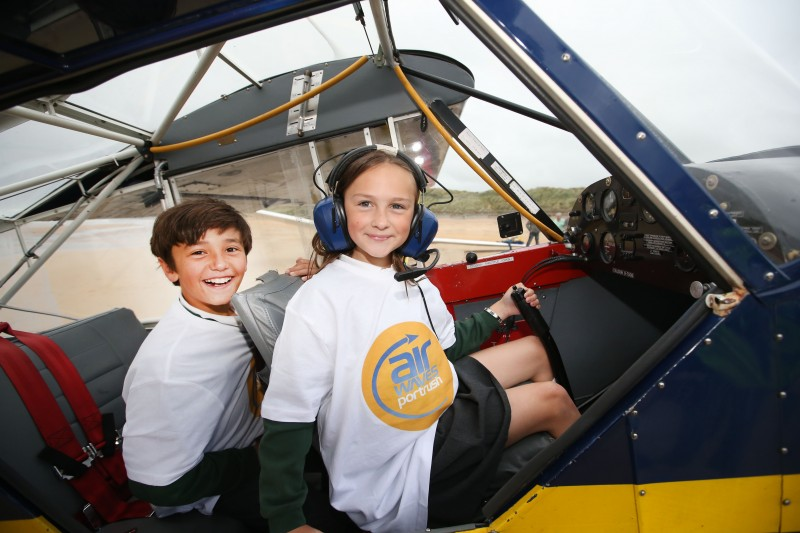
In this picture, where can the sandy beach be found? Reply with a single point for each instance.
(108, 264)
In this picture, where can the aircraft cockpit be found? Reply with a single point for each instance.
(618, 235)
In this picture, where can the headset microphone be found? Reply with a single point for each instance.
(413, 273)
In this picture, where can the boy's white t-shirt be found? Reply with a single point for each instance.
(357, 354)
(186, 394)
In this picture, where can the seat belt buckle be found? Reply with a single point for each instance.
(86, 462)
(92, 518)
(91, 452)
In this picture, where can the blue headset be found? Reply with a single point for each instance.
(331, 221)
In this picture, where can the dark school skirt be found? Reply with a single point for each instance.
(470, 438)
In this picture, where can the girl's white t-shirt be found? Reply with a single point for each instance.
(357, 353)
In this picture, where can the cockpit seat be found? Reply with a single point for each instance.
(101, 348)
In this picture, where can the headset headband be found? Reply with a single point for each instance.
(335, 174)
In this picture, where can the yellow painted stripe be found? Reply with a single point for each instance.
(749, 504)
(752, 504)
(33, 525)
(596, 508)
(790, 503)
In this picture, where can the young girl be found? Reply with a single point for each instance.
(402, 430)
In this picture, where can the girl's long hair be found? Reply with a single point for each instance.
(322, 257)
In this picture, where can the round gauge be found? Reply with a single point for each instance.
(589, 207)
(608, 247)
(608, 205)
(683, 261)
(647, 217)
(587, 243)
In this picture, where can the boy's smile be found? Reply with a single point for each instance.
(210, 270)
(380, 205)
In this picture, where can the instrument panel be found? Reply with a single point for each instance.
(619, 236)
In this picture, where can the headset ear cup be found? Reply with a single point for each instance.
(423, 231)
(331, 224)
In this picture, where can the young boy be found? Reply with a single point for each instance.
(192, 415)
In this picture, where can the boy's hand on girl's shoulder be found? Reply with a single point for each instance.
(302, 268)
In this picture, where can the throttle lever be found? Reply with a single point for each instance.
(537, 321)
(533, 317)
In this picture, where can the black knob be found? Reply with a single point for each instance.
(471, 257)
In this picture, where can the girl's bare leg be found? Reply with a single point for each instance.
(517, 361)
(539, 406)
(535, 407)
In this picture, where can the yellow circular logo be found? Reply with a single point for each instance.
(406, 378)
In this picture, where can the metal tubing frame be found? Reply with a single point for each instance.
(69, 171)
(74, 125)
(239, 70)
(203, 64)
(379, 16)
(86, 213)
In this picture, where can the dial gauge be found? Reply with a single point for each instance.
(608, 247)
(587, 243)
(608, 205)
(589, 208)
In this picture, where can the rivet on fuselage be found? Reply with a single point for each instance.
(634, 436)
(641, 136)
(787, 501)
(784, 451)
(566, 57)
(642, 492)
(782, 395)
(769, 276)
(661, 385)
(707, 341)
(779, 337)
(713, 213)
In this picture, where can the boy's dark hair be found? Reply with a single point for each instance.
(188, 221)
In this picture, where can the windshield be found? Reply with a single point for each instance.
(718, 78)
(721, 81)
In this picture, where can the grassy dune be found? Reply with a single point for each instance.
(551, 199)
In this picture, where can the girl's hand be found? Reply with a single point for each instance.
(505, 306)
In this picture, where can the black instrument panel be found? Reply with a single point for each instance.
(619, 236)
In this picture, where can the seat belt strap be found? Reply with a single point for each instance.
(103, 480)
(69, 380)
(80, 400)
(38, 399)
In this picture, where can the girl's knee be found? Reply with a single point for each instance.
(542, 406)
(557, 396)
